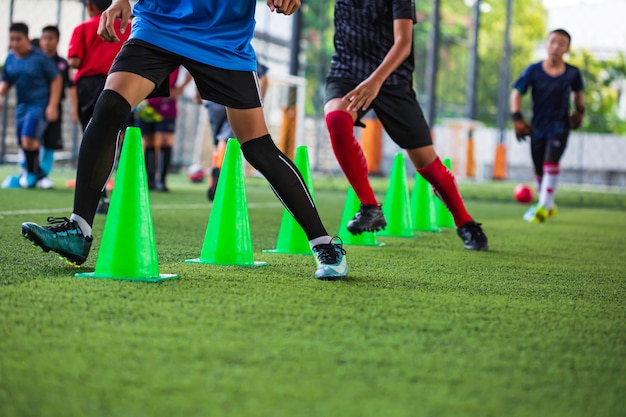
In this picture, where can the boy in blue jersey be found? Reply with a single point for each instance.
(38, 84)
(211, 38)
(552, 81)
(53, 136)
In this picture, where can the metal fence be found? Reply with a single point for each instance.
(589, 159)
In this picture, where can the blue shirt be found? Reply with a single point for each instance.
(213, 32)
(31, 77)
(550, 97)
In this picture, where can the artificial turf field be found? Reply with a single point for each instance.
(533, 327)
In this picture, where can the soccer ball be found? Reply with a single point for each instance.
(195, 173)
(523, 194)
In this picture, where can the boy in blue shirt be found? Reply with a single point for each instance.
(38, 84)
(552, 81)
(211, 38)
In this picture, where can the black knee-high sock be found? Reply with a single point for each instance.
(286, 181)
(32, 161)
(97, 152)
(166, 156)
(150, 163)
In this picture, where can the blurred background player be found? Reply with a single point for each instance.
(53, 135)
(220, 127)
(372, 67)
(157, 130)
(92, 58)
(552, 81)
(38, 84)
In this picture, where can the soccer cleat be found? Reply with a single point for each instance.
(369, 218)
(530, 213)
(552, 212)
(473, 236)
(541, 215)
(11, 181)
(62, 236)
(45, 183)
(215, 175)
(28, 180)
(330, 260)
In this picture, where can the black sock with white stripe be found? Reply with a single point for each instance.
(286, 181)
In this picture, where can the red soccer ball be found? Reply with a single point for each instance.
(523, 194)
(195, 173)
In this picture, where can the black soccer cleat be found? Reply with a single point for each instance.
(63, 236)
(369, 218)
(473, 236)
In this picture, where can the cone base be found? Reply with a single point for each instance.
(161, 277)
(200, 261)
(285, 252)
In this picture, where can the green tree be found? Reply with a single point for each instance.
(604, 86)
(528, 30)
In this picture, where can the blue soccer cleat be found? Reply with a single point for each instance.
(331, 261)
(530, 213)
(63, 236)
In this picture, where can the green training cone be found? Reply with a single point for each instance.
(291, 237)
(228, 240)
(397, 206)
(444, 217)
(128, 247)
(423, 206)
(350, 207)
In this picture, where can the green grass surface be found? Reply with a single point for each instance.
(533, 327)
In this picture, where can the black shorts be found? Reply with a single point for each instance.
(164, 126)
(52, 137)
(396, 107)
(88, 89)
(236, 89)
(547, 149)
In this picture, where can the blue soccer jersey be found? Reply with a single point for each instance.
(550, 97)
(31, 77)
(213, 32)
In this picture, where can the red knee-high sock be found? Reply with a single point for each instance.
(349, 154)
(445, 187)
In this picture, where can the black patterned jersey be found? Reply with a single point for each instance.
(364, 35)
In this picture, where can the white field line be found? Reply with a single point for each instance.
(154, 207)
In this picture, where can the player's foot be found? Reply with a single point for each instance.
(28, 180)
(45, 183)
(530, 213)
(11, 181)
(541, 215)
(330, 260)
(161, 186)
(103, 206)
(62, 236)
(215, 175)
(552, 212)
(473, 236)
(369, 218)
